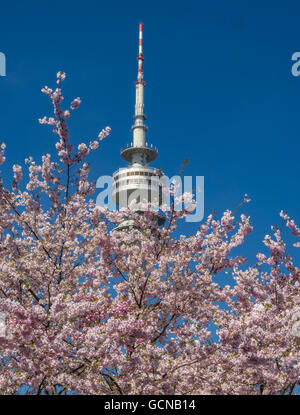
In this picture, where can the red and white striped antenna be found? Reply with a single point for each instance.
(140, 57)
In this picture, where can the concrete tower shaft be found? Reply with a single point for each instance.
(139, 153)
(139, 128)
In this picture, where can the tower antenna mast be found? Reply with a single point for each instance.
(140, 57)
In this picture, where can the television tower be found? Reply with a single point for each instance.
(138, 180)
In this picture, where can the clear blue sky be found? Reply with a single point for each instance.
(219, 91)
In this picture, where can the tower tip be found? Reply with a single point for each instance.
(140, 57)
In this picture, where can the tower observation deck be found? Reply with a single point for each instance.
(138, 181)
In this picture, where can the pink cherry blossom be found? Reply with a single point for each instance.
(75, 103)
(61, 76)
(91, 310)
(2, 157)
(94, 145)
(104, 133)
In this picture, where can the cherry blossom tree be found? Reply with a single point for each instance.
(90, 310)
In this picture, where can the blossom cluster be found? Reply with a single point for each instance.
(93, 310)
